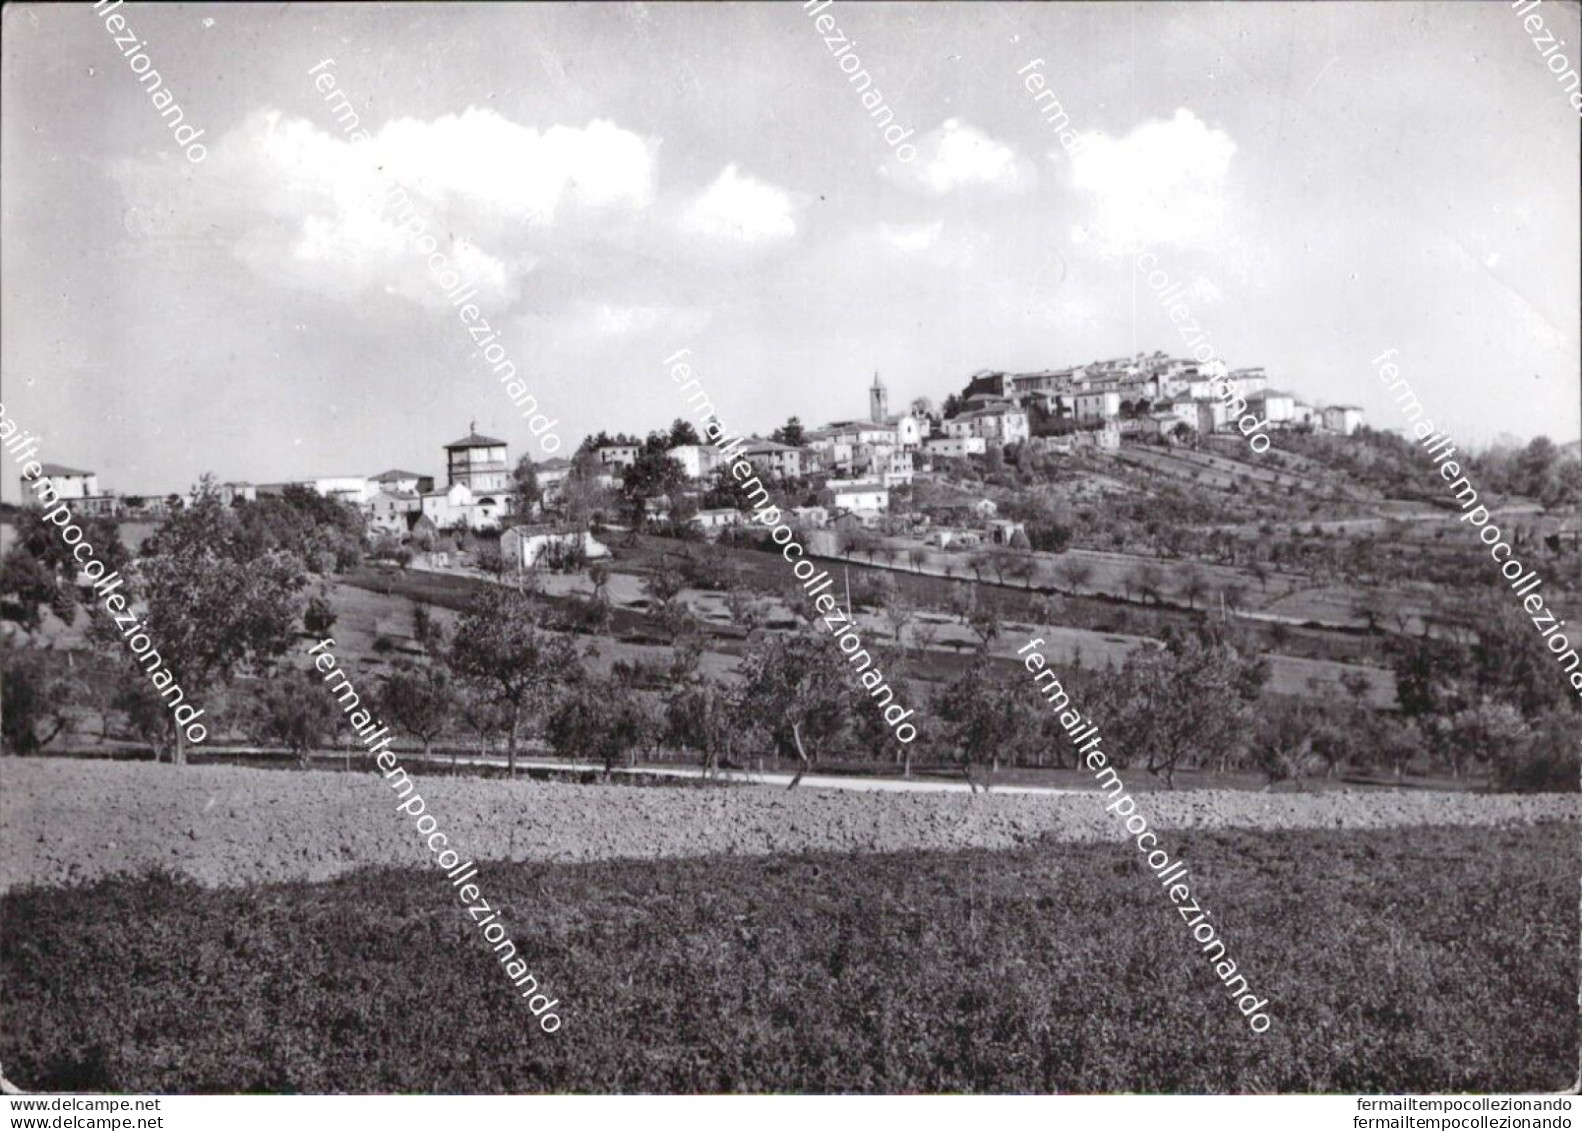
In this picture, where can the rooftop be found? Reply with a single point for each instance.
(396, 476)
(52, 469)
(473, 440)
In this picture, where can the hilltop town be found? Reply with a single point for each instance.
(852, 465)
(673, 549)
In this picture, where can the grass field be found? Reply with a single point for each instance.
(1408, 960)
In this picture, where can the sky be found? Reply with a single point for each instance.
(1330, 180)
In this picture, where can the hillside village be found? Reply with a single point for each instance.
(849, 467)
(413, 682)
(1110, 507)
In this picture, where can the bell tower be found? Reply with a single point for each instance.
(878, 401)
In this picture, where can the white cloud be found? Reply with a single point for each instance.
(958, 155)
(1161, 184)
(741, 208)
(910, 237)
(512, 170)
(314, 208)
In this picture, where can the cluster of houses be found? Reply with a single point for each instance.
(1150, 395)
(858, 462)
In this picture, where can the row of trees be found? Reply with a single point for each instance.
(220, 589)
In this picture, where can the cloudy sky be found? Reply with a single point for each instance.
(1331, 179)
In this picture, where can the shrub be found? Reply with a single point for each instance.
(1548, 762)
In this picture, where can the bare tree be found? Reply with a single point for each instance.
(1148, 579)
(1193, 585)
(900, 613)
(1074, 572)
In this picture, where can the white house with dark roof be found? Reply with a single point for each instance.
(523, 547)
(1002, 424)
(388, 511)
(354, 490)
(1274, 406)
(78, 489)
(781, 461)
(1343, 418)
(618, 456)
(408, 482)
(863, 496)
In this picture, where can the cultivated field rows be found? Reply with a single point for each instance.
(64, 821)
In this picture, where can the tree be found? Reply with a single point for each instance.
(498, 647)
(1148, 579)
(857, 540)
(918, 556)
(28, 587)
(701, 714)
(1373, 606)
(796, 679)
(39, 572)
(583, 497)
(1285, 740)
(524, 485)
(653, 475)
(489, 561)
(1074, 572)
(1481, 732)
(1546, 761)
(1357, 686)
(1536, 469)
(961, 601)
(598, 718)
(1183, 701)
(900, 613)
(213, 607)
(599, 575)
(420, 701)
(1510, 662)
(746, 609)
(319, 617)
(922, 406)
(427, 630)
(37, 691)
(791, 434)
(145, 712)
(984, 621)
(663, 582)
(292, 710)
(982, 715)
(1193, 585)
(1020, 564)
(682, 434)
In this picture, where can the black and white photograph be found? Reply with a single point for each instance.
(885, 549)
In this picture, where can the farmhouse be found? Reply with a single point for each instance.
(79, 488)
(523, 547)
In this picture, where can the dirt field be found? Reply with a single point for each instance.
(65, 821)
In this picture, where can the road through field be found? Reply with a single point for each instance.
(755, 777)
